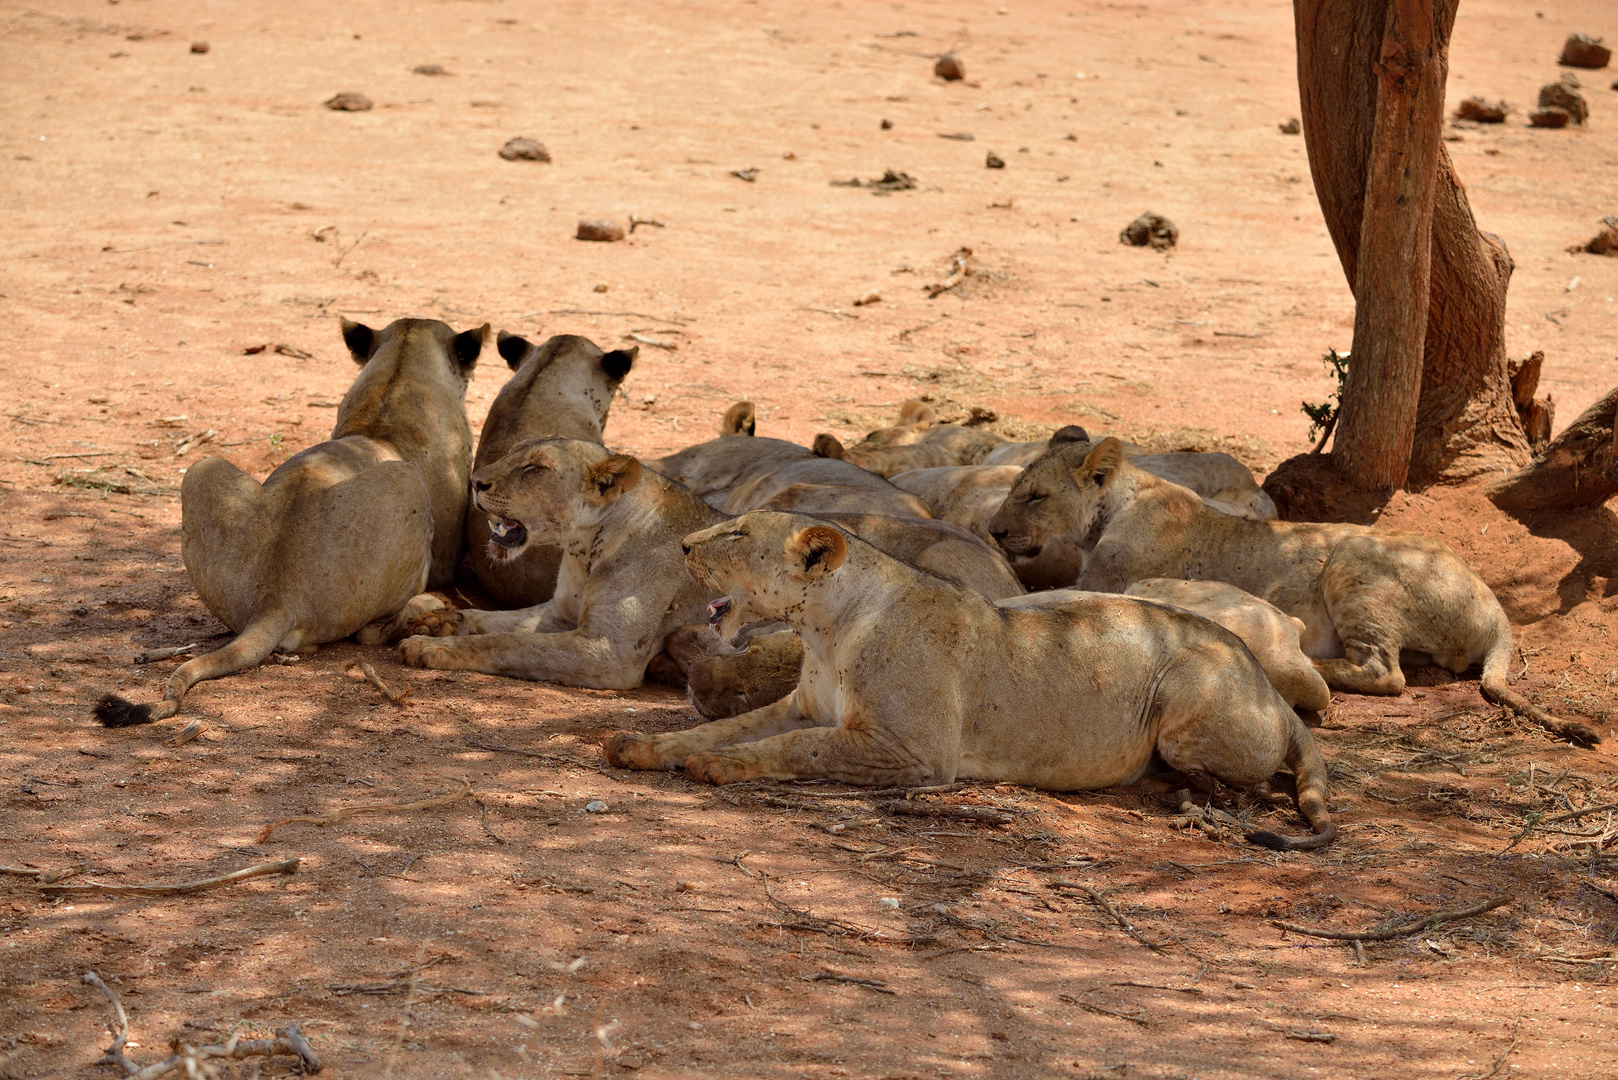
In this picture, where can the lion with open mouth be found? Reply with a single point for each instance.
(911, 680)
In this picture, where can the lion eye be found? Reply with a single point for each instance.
(1034, 500)
(737, 535)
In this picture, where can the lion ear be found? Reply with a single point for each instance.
(740, 419)
(1100, 465)
(1069, 434)
(815, 552)
(513, 348)
(611, 477)
(829, 446)
(360, 339)
(917, 412)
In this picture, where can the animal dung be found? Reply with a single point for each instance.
(1584, 51)
(1151, 230)
(887, 125)
(1564, 94)
(1549, 118)
(949, 68)
(200, 46)
(1291, 127)
(604, 231)
(428, 69)
(348, 102)
(1481, 111)
(521, 149)
(994, 161)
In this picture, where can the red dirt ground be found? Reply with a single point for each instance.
(171, 209)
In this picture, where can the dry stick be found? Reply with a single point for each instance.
(1578, 813)
(486, 830)
(1156, 986)
(1426, 922)
(192, 730)
(1099, 1011)
(1105, 905)
(289, 1041)
(151, 655)
(286, 866)
(371, 808)
(43, 877)
(868, 984)
(398, 697)
(961, 813)
(616, 314)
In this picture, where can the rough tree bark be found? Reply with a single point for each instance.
(1465, 419)
(1577, 468)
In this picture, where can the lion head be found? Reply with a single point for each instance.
(1057, 498)
(547, 489)
(764, 563)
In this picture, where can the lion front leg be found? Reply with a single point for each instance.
(851, 755)
(573, 657)
(629, 751)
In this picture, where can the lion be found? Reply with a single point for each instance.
(343, 534)
(740, 474)
(622, 589)
(1269, 634)
(1366, 596)
(911, 680)
(562, 388)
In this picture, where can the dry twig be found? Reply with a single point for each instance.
(1105, 905)
(1426, 922)
(42, 877)
(286, 866)
(961, 813)
(869, 984)
(398, 697)
(370, 808)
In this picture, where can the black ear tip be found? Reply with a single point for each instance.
(618, 362)
(114, 711)
(469, 344)
(513, 348)
(1070, 433)
(359, 338)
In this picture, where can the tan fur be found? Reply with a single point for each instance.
(620, 591)
(342, 534)
(737, 475)
(1271, 635)
(560, 389)
(739, 419)
(1364, 595)
(911, 680)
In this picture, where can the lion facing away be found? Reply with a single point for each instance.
(560, 389)
(340, 536)
(910, 680)
(1365, 595)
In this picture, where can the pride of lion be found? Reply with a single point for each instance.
(930, 604)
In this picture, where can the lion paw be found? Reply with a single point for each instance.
(627, 751)
(425, 652)
(711, 768)
(443, 622)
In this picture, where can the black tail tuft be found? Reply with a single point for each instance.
(1273, 841)
(1277, 842)
(114, 711)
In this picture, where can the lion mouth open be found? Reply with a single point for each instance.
(717, 609)
(506, 536)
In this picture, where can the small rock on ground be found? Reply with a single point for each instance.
(429, 69)
(1484, 112)
(1584, 51)
(521, 149)
(1292, 127)
(1549, 118)
(993, 161)
(949, 68)
(1564, 95)
(1151, 230)
(600, 230)
(200, 46)
(348, 102)
(1604, 242)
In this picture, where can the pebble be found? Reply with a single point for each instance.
(348, 102)
(523, 149)
(595, 806)
(949, 68)
(1584, 51)
(200, 46)
(429, 69)
(1564, 94)
(994, 161)
(1291, 127)
(1152, 230)
(605, 231)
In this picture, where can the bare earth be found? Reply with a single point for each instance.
(168, 211)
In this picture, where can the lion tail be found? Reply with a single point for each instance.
(1309, 769)
(250, 648)
(1496, 665)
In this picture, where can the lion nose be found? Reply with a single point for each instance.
(685, 547)
(998, 534)
(481, 485)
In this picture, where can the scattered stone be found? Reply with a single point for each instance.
(1604, 242)
(864, 298)
(521, 149)
(949, 68)
(200, 46)
(600, 288)
(958, 136)
(1481, 111)
(1564, 94)
(887, 125)
(1584, 51)
(429, 69)
(595, 806)
(1151, 230)
(1292, 127)
(890, 181)
(349, 103)
(1549, 118)
(994, 161)
(605, 231)
(750, 175)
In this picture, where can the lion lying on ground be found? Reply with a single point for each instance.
(342, 534)
(1365, 595)
(1269, 634)
(622, 589)
(910, 680)
(561, 389)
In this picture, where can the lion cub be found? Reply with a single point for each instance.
(1364, 595)
(342, 534)
(909, 680)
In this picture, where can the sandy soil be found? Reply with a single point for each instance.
(170, 210)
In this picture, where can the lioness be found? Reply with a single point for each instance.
(1364, 595)
(911, 680)
(740, 474)
(560, 389)
(1270, 634)
(342, 534)
(622, 588)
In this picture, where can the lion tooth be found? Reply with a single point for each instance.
(500, 528)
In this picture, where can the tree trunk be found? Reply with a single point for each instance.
(1465, 421)
(1577, 468)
